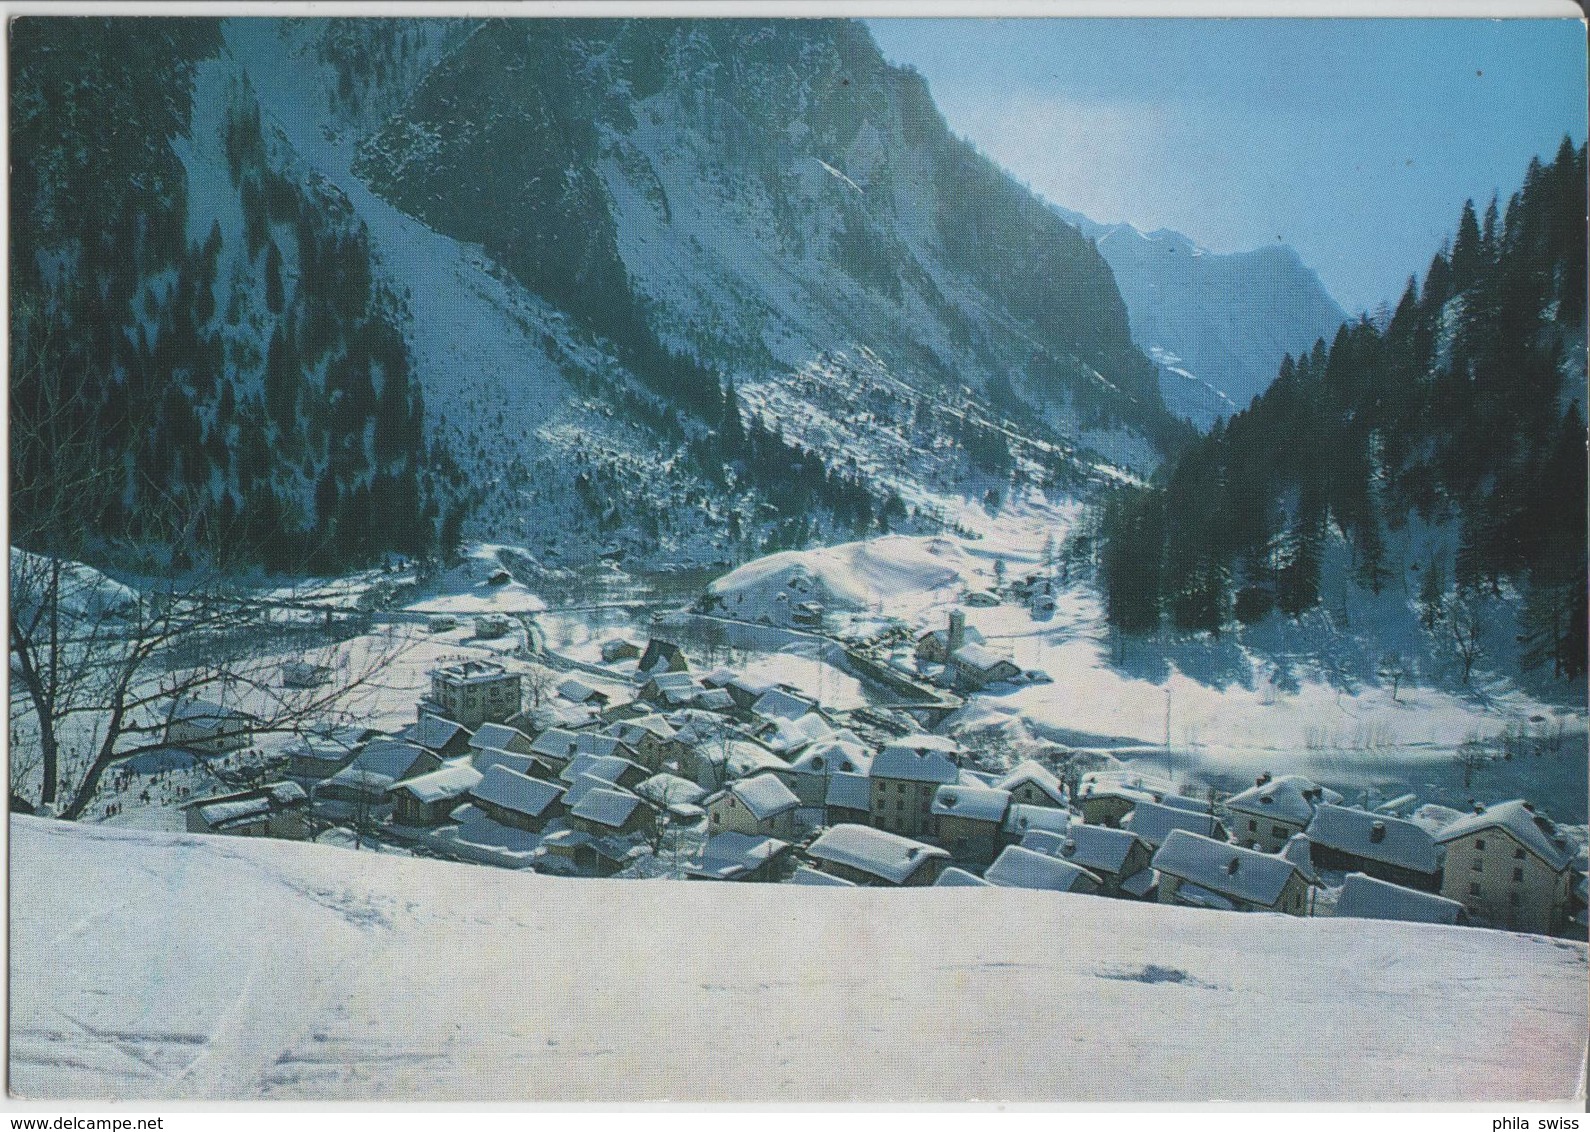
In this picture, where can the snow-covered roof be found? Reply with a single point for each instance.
(514, 791)
(432, 732)
(1369, 898)
(1289, 798)
(713, 699)
(563, 744)
(1375, 837)
(577, 691)
(554, 712)
(875, 851)
(796, 734)
(496, 736)
(1097, 847)
(918, 758)
(513, 760)
(975, 803)
(980, 657)
(849, 792)
(1154, 822)
(670, 790)
(1223, 868)
(728, 855)
(779, 704)
(230, 809)
(1531, 828)
(1111, 781)
(471, 672)
(953, 877)
(1043, 841)
(635, 730)
(1298, 852)
(606, 806)
(808, 875)
(676, 683)
(1183, 802)
(449, 782)
(1022, 868)
(1022, 819)
(833, 756)
(582, 786)
(618, 647)
(386, 757)
(764, 795)
(720, 677)
(1030, 770)
(609, 768)
(747, 758)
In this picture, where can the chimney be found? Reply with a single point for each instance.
(957, 634)
(1262, 779)
(1377, 832)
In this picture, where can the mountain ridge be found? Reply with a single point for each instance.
(1217, 323)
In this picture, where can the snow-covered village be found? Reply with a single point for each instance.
(625, 579)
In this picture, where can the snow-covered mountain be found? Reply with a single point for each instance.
(1217, 324)
(530, 257)
(643, 210)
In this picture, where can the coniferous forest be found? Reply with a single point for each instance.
(1461, 410)
(242, 395)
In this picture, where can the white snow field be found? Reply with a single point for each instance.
(157, 966)
(1287, 697)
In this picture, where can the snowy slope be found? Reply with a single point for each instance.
(1217, 324)
(494, 360)
(1283, 696)
(157, 966)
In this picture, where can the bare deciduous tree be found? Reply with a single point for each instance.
(1466, 622)
(99, 670)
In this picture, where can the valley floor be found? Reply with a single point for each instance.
(155, 966)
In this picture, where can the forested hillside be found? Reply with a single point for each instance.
(201, 364)
(1463, 413)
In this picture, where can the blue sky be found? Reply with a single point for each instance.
(1356, 141)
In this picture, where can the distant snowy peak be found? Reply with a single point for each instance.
(1217, 323)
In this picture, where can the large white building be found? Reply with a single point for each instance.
(473, 692)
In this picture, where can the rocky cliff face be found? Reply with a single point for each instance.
(1217, 324)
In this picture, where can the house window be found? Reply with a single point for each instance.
(1277, 831)
(1253, 826)
(716, 818)
(1479, 843)
(1518, 854)
(1512, 898)
(1518, 876)
(1478, 865)
(1474, 889)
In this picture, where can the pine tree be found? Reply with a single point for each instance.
(274, 298)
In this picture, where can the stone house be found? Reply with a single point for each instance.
(1509, 865)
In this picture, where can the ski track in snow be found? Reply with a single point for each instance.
(269, 970)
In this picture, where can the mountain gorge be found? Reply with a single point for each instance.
(1217, 324)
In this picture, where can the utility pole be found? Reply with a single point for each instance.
(1169, 773)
